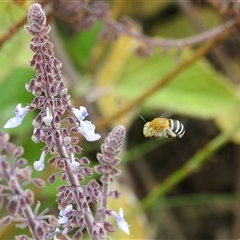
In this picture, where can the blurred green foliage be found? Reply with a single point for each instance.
(200, 91)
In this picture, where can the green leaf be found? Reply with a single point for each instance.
(198, 91)
(12, 92)
(80, 45)
(14, 51)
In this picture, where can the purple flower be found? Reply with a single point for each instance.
(87, 129)
(80, 113)
(122, 224)
(74, 165)
(39, 165)
(17, 120)
(57, 232)
(48, 118)
(62, 215)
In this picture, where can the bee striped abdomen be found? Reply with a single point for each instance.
(176, 127)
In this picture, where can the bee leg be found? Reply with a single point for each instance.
(170, 133)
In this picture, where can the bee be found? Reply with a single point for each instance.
(163, 127)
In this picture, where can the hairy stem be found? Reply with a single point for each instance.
(73, 181)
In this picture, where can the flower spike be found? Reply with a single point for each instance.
(20, 113)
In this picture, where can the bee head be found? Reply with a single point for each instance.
(148, 130)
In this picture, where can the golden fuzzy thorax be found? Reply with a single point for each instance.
(159, 124)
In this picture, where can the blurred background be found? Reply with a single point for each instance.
(184, 188)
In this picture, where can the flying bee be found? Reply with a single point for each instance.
(163, 127)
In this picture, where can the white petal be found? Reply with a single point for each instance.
(91, 137)
(67, 209)
(57, 231)
(21, 112)
(83, 111)
(74, 166)
(123, 225)
(18, 108)
(121, 212)
(38, 165)
(13, 122)
(62, 220)
(87, 129)
(80, 113)
(48, 118)
(17, 120)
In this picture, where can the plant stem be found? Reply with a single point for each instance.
(200, 52)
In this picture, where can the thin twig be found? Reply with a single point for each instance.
(200, 52)
(12, 30)
(219, 54)
(165, 43)
(16, 27)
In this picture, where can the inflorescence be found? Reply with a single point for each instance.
(52, 101)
